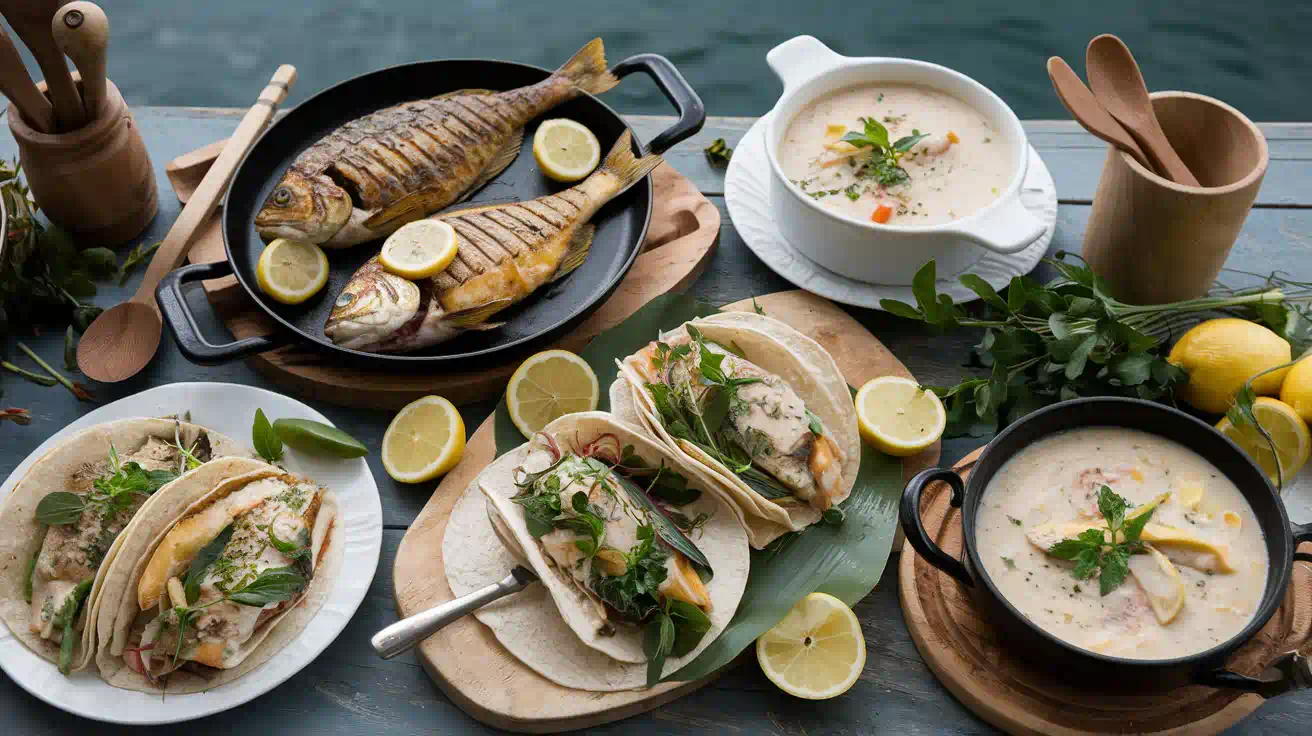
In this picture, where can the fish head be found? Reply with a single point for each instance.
(306, 208)
(372, 307)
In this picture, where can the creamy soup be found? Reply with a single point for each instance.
(960, 166)
(1196, 585)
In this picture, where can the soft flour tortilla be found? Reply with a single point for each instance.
(798, 360)
(115, 627)
(21, 536)
(552, 627)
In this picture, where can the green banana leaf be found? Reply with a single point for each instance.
(844, 560)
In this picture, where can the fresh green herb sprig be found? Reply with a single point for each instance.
(718, 153)
(268, 444)
(1068, 338)
(136, 257)
(884, 164)
(1105, 553)
(112, 492)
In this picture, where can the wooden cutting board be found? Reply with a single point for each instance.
(967, 656)
(465, 659)
(681, 238)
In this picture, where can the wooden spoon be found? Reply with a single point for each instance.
(20, 90)
(1118, 84)
(1089, 112)
(82, 32)
(124, 339)
(30, 19)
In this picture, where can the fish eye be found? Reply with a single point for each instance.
(345, 299)
(282, 196)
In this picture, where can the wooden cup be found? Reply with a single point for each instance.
(1154, 241)
(97, 182)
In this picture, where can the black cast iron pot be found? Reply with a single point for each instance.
(1290, 672)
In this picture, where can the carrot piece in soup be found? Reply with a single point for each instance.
(882, 213)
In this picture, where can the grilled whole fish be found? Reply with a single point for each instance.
(372, 175)
(506, 252)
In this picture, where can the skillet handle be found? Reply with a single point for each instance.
(914, 529)
(692, 113)
(182, 323)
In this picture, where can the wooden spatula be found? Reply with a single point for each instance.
(20, 90)
(1089, 112)
(124, 339)
(81, 31)
(30, 19)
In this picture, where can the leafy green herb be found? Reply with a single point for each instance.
(1014, 520)
(674, 631)
(813, 423)
(833, 515)
(60, 507)
(202, 562)
(635, 594)
(266, 441)
(100, 263)
(1106, 553)
(718, 153)
(135, 257)
(1009, 562)
(665, 527)
(757, 307)
(65, 619)
(270, 586)
(28, 573)
(77, 389)
(297, 551)
(883, 164)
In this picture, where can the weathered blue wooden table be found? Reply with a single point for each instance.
(348, 690)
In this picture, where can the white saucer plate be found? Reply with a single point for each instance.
(747, 195)
(230, 410)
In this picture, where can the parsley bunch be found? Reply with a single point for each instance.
(885, 157)
(1105, 553)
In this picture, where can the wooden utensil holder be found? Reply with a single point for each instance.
(97, 182)
(1154, 241)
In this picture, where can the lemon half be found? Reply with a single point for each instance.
(291, 271)
(817, 651)
(898, 417)
(1288, 431)
(419, 250)
(565, 150)
(548, 385)
(425, 439)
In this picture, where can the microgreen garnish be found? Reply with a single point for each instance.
(883, 164)
(1105, 553)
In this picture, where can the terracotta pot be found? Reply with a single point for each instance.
(97, 182)
(1154, 241)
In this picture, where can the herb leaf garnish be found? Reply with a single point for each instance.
(883, 164)
(202, 561)
(1105, 553)
(65, 619)
(60, 507)
(266, 441)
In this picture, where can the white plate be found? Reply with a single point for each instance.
(747, 195)
(228, 409)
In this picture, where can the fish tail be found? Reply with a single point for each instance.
(623, 165)
(587, 69)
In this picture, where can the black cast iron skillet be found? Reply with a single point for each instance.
(1290, 672)
(553, 309)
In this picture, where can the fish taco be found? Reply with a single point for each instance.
(642, 568)
(756, 404)
(70, 516)
(222, 585)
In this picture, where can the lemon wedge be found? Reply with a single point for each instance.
(291, 271)
(1287, 429)
(565, 150)
(420, 249)
(549, 385)
(816, 652)
(425, 439)
(898, 417)
(1161, 582)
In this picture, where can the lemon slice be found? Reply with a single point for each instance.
(290, 271)
(816, 652)
(565, 150)
(425, 439)
(420, 249)
(1161, 582)
(1288, 430)
(897, 417)
(549, 385)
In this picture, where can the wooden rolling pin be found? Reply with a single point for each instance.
(82, 32)
(30, 19)
(20, 90)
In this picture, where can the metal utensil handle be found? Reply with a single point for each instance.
(406, 633)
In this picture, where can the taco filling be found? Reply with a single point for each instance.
(744, 417)
(224, 573)
(611, 523)
(83, 522)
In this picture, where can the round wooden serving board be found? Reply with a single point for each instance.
(465, 659)
(681, 237)
(966, 655)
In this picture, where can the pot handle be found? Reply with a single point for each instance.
(914, 529)
(800, 59)
(1292, 671)
(182, 323)
(1008, 229)
(692, 113)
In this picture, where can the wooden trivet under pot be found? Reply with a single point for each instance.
(969, 659)
(465, 659)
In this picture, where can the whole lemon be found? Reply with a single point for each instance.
(1297, 388)
(1221, 354)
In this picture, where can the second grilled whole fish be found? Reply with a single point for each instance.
(505, 253)
(372, 175)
